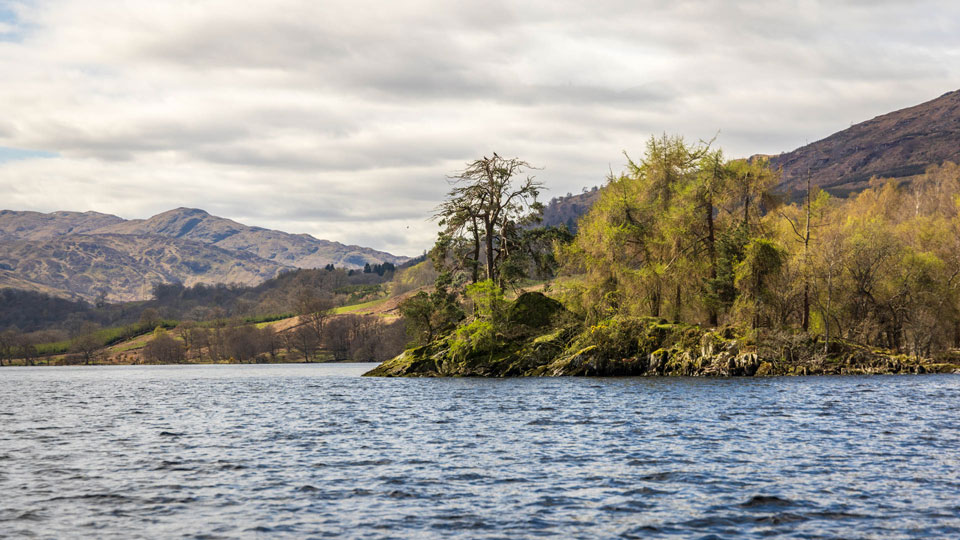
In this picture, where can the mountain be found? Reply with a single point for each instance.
(566, 210)
(83, 255)
(894, 145)
(37, 226)
(299, 250)
(123, 267)
(900, 144)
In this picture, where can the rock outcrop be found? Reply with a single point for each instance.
(539, 337)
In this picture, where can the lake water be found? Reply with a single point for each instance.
(317, 451)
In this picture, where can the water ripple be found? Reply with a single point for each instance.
(316, 451)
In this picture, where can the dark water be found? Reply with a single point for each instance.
(315, 451)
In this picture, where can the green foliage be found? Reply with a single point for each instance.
(430, 315)
(53, 348)
(487, 299)
(479, 336)
(613, 338)
(721, 291)
(534, 310)
(414, 277)
(762, 261)
(357, 293)
(663, 238)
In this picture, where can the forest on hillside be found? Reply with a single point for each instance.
(217, 322)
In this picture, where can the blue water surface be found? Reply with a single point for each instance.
(316, 451)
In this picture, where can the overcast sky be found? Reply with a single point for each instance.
(342, 118)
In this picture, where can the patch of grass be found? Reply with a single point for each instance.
(268, 323)
(56, 347)
(116, 334)
(355, 293)
(106, 336)
(358, 307)
(261, 320)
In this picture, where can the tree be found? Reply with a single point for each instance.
(762, 261)
(304, 340)
(149, 318)
(164, 349)
(429, 315)
(640, 242)
(486, 207)
(813, 207)
(86, 343)
(666, 235)
(8, 344)
(314, 310)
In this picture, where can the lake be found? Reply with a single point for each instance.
(316, 451)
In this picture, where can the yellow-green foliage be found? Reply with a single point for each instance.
(689, 236)
(488, 301)
(476, 337)
(647, 246)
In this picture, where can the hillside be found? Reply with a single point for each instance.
(38, 226)
(77, 255)
(566, 210)
(122, 267)
(299, 250)
(894, 145)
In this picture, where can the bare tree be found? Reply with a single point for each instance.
(314, 311)
(8, 344)
(86, 343)
(487, 203)
(165, 349)
(303, 340)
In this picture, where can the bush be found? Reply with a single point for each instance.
(164, 349)
(477, 337)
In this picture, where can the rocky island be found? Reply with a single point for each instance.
(539, 337)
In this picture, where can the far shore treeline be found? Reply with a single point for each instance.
(298, 316)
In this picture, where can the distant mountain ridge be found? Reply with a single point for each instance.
(899, 144)
(298, 250)
(89, 254)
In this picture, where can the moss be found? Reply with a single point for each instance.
(533, 310)
(765, 370)
(552, 337)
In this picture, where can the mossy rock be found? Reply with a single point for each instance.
(416, 362)
(534, 310)
(765, 370)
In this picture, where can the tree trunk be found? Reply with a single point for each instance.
(489, 228)
(475, 271)
(655, 300)
(826, 318)
(676, 305)
(712, 251)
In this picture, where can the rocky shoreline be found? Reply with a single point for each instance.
(539, 337)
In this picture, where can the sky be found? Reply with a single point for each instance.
(343, 119)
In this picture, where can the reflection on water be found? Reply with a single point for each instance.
(315, 450)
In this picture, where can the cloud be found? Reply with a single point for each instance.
(342, 118)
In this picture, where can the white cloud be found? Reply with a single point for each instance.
(342, 118)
